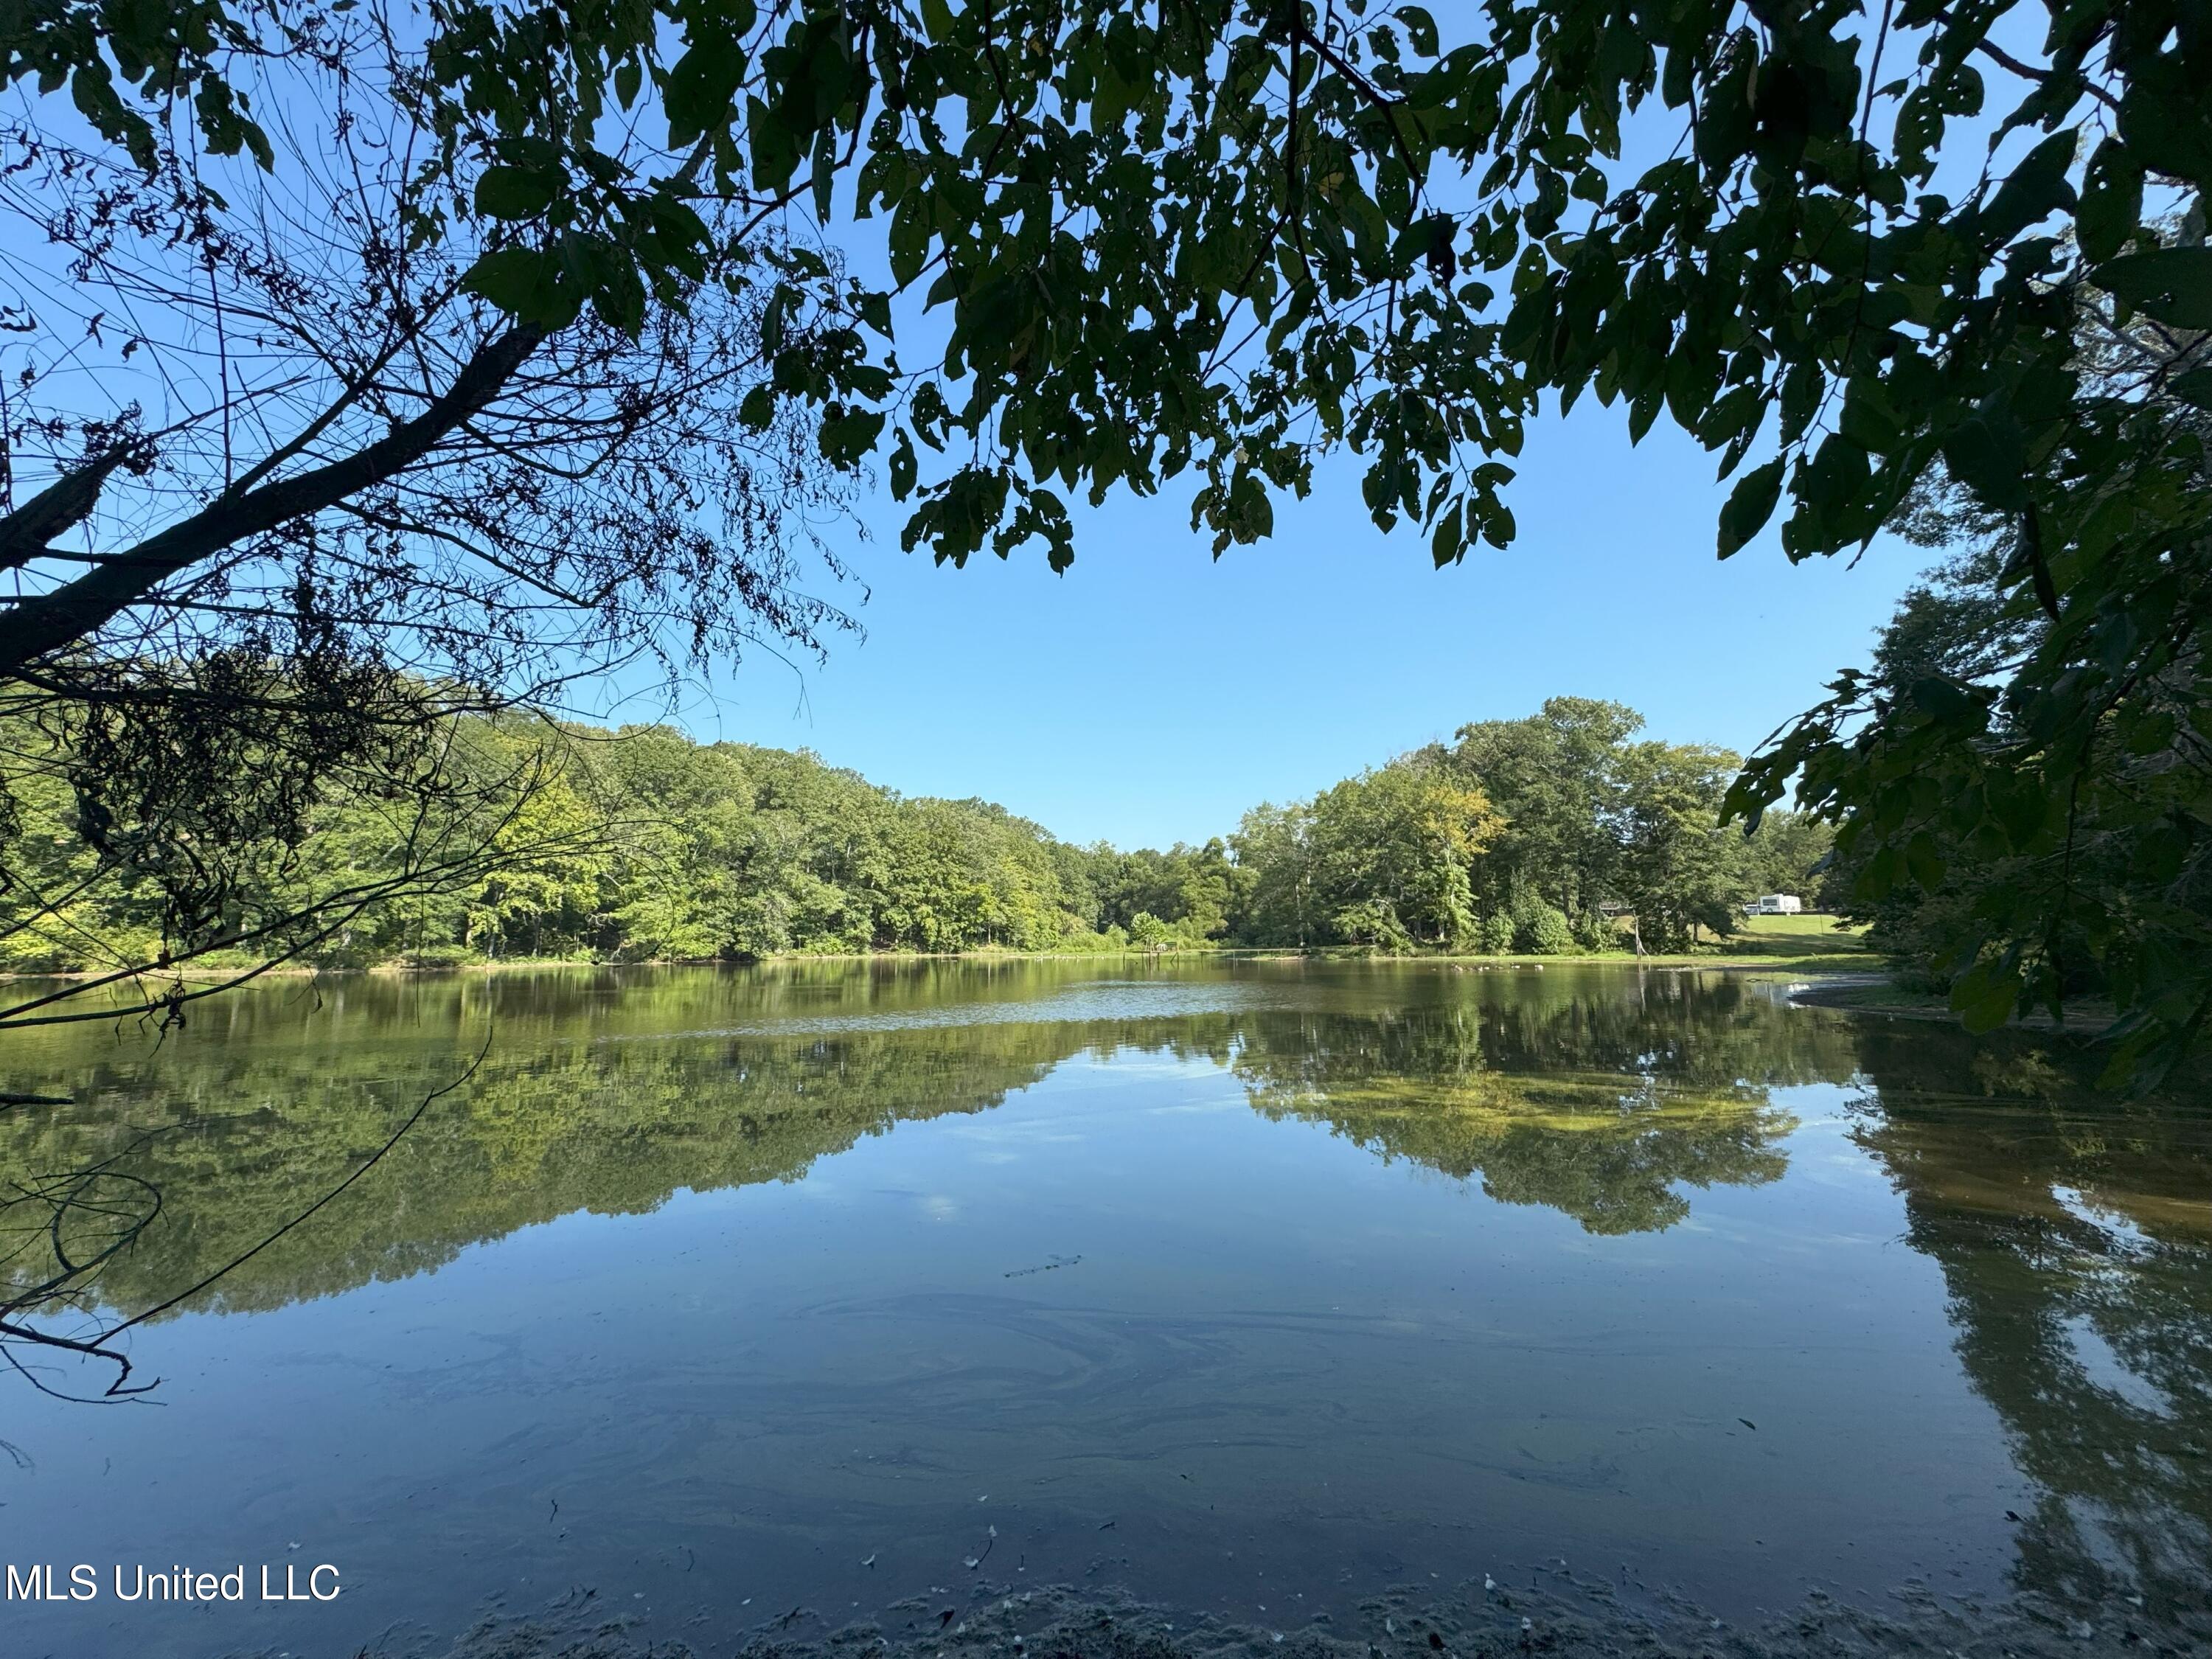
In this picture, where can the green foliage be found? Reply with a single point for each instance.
(1595, 931)
(1148, 933)
(1681, 870)
(634, 845)
(1555, 778)
(1516, 838)
(1166, 239)
(1542, 930)
(1189, 889)
(1788, 855)
(2018, 845)
(1593, 818)
(1379, 859)
(640, 844)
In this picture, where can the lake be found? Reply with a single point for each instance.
(1247, 1287)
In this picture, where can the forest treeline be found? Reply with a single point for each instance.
(1559, 833)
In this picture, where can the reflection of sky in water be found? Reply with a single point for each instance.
(2121, 1233)
(2105, 1369)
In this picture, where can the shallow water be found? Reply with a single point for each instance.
(1248, 1286)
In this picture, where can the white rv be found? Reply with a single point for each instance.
(1775, 905)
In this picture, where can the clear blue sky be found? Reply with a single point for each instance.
(1150, 694)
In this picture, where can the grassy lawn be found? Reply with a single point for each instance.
(1827, 927)
(1798, 944)
(1804, 936)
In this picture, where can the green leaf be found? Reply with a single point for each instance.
(1750, 505)
(1984, 997)
(903, 466)
(699, 89)
(2112, 201)
(847, 436)
(1947, 701)
(509, 277)
(505, 192)
(1450, 540)
(2172, 284)
(2037, 189)
(1988, 459)
(1923, 862)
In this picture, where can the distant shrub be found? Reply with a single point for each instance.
(1079, 939)
(1595, 931)
(1542, 931)
(1493, 935)
(1148, 933)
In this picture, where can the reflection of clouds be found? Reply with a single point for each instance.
(938, 1206)
(1825, 1149)
(1132, 1064)
(1013, 1132)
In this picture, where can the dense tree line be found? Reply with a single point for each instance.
(641, 844)
(1544, 836)
(630, 845)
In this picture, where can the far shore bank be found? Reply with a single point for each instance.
(1745, 954)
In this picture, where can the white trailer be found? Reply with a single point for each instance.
(1775, 905)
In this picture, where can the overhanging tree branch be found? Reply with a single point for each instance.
(52, 622)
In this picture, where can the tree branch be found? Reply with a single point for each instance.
(62, 505)
(54, 621)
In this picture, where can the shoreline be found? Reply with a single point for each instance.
(1820, 961)
(1877, 996)
(1554, 1612)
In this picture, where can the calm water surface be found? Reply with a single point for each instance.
(1249, 1286)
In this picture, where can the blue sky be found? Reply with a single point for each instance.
(1150, 694)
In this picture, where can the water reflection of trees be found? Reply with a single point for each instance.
(611, 1128)
(609, 1093)
(2074, 1232)
(1599, 1099)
